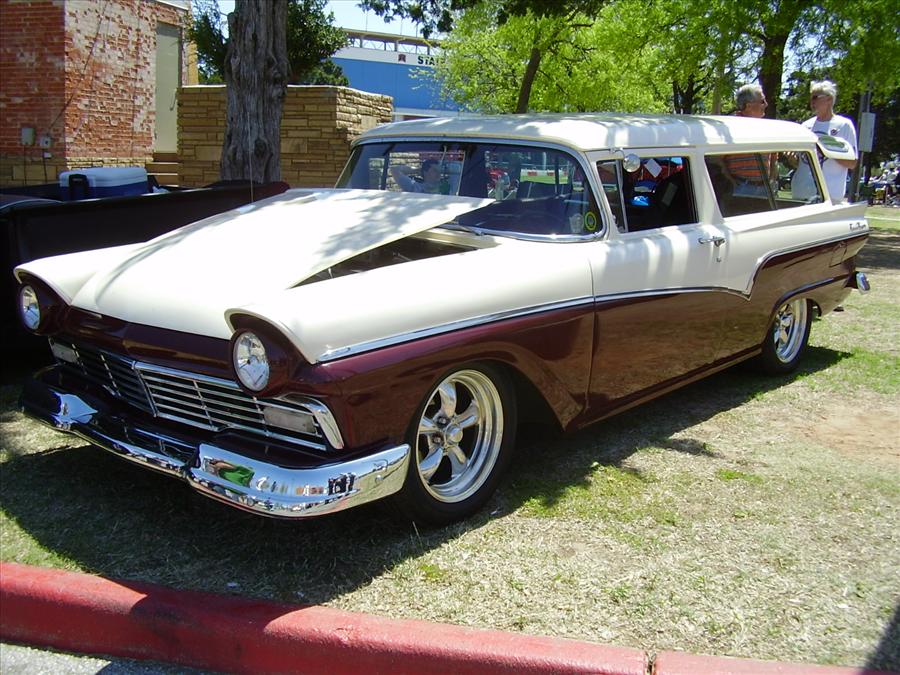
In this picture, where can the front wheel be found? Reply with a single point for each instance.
(786, 340)
(461, 439)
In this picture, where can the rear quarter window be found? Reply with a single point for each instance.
(757, 182)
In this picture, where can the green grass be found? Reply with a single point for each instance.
(731, 474)
(861, 370)
(883, 217)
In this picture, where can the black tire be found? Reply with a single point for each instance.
(787, 338)
(440, 487)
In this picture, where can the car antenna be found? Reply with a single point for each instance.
(250, 162)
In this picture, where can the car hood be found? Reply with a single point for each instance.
(186, 279)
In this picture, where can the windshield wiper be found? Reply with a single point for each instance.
(453, 225)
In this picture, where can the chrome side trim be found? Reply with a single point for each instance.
(543, 238)
(359, 348)
(244, 482)
(668, 291)
(362, 347)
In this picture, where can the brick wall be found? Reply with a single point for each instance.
(97, 55)
(32, 80)
(317, 126)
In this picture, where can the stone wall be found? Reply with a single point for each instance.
(81, 72)
(317, 126)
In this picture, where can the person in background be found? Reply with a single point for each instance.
(744, 171)
(431, 177)
(750, 101)
(822, 96)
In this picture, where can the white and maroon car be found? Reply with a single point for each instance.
(324, 348)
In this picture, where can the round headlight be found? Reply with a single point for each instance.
(250, 361)
(29, 307)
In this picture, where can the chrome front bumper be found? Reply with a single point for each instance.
(224, 474)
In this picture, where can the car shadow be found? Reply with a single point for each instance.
(88, 510)
(886, 656)
(574, 458)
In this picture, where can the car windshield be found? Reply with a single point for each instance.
(536, 191)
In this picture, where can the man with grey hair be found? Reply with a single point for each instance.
(825, 123)
(750, 101)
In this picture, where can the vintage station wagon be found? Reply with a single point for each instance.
(324, 348)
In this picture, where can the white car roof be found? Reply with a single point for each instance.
(592, 131)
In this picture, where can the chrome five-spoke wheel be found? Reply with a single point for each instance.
(787, 337)
(789, 330)
(459, 440)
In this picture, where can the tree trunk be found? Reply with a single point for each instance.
(531, 69)
(256, 68)
(685, 98)
(776, 31)
(771, 65)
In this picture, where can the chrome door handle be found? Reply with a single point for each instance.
(717, 240)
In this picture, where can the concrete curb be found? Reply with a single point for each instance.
(83, 613)
(88, 614)
(679, 663)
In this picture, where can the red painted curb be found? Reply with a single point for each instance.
(83, 613)
(679, 663)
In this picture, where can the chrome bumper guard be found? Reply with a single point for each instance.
(241, 481)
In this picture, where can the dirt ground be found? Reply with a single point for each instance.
(868, 435)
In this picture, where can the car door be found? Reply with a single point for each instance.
(657, 280)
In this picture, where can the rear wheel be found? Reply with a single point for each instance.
(460, 438)
(787, 338)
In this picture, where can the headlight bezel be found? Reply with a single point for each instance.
(30, 307)
(50, 307)
(282, 356)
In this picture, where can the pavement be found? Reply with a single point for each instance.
(93, 615)
(19, 660)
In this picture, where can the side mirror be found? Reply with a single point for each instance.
(631, 163)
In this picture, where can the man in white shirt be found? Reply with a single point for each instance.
(825, 123)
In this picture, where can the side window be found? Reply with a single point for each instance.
(657, 194)
(760, 182)
(610, 173)
(742, 182)
(797, 184)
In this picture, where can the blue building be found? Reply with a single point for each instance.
(396, 65)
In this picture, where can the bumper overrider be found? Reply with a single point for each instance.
(222, 473)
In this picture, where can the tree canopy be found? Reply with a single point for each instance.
(311, 40)
(677, 55)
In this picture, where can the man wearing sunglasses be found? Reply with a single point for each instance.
(825, 123)
(750, 101)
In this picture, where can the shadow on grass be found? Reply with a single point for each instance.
(117, 520)
(881, 252)
(887, 653)
(550, 469)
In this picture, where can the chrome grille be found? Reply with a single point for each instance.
(200, 401)
(114, 373)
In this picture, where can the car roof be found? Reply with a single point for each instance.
(595, 131)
